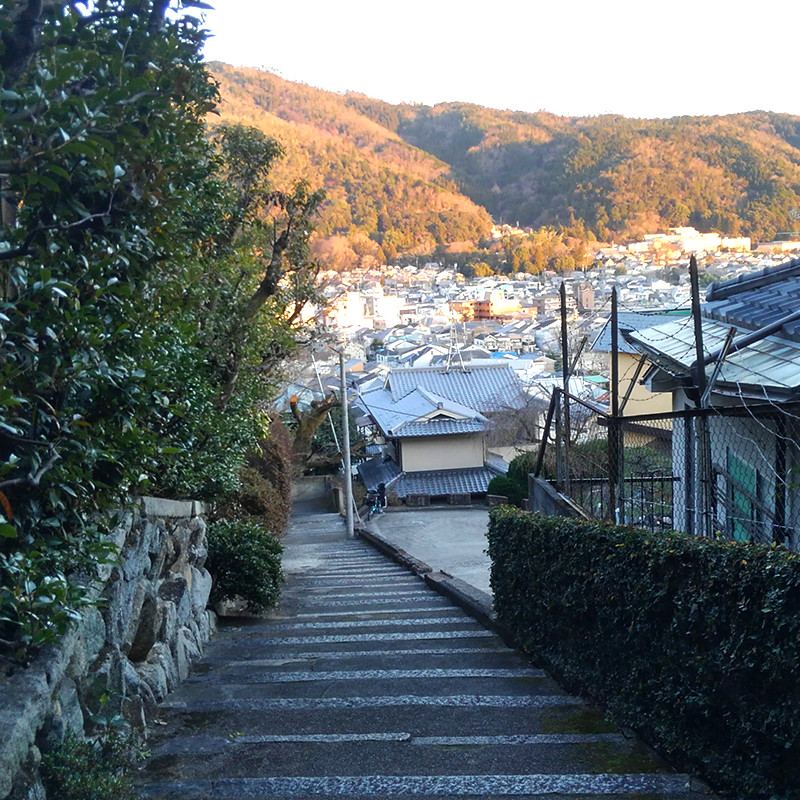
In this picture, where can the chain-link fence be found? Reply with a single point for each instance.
(723, 471)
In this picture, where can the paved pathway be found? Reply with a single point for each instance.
(452, 539)
(367, 684)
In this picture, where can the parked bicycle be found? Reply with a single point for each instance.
(376, 501)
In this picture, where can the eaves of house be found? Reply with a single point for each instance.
(768, 368)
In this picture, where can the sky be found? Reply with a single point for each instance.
(647, 58)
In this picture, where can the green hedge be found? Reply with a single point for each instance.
(695, 643)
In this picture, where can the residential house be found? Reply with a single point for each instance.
(433, 422)
(632, 363)
(736, 464)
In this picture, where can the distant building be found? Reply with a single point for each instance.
(584, 296)
(683, 240)
(787, 246)
(495, 305)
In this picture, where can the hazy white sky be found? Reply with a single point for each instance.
(642, 58)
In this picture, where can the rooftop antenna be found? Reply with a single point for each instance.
(453, 350)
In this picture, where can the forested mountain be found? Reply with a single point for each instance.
(403, 176)
(739, 174)
(383, 194)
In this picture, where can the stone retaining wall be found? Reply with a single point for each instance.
(135, 647)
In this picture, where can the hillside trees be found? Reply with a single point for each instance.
(137, 261)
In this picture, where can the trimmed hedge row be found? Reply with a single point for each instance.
(695, 643)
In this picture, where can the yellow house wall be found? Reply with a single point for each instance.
(642, 400)
(441, 452)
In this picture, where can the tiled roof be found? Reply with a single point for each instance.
(484, 388)
(376, 471)
(627, 321)
(755, 300)
(415, 414)
(441, 427)
(442, 482)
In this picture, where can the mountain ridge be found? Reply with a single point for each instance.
(416, 178)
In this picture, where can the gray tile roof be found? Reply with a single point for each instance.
(441, 427)
(485, 388)
(420, 413)
(443, 482)
(755, 300)
(376, 471)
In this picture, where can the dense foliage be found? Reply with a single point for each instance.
(244, 558)
(90, 769)
(264, 494)
(694, 642)
(399, 175)
(504, 486)
(151, 281)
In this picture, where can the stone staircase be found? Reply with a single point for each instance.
(367, 684)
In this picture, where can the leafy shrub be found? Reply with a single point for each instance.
(694, 642)
(244, 559)
(506, 487)
(147, 298)
(520, 467)
(99, 768)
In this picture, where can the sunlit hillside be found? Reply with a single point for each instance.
(384, 195)
(405, 178)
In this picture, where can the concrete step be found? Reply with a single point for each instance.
(366, 684)
(234, 660)
(208, 757)
(562, 718)
(568, 786)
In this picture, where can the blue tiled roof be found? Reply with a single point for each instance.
(755, 300)
(484, 388)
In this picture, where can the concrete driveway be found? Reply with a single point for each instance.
(449, 539)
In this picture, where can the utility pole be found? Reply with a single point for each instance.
(565, 381)
(615, 463)
(703, 497)
(348, 474)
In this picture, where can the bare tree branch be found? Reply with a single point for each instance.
(34, 479)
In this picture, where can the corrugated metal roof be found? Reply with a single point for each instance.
(755, 300)
(627, 321)
(773, 363)
(376, 471)
(484, 388)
